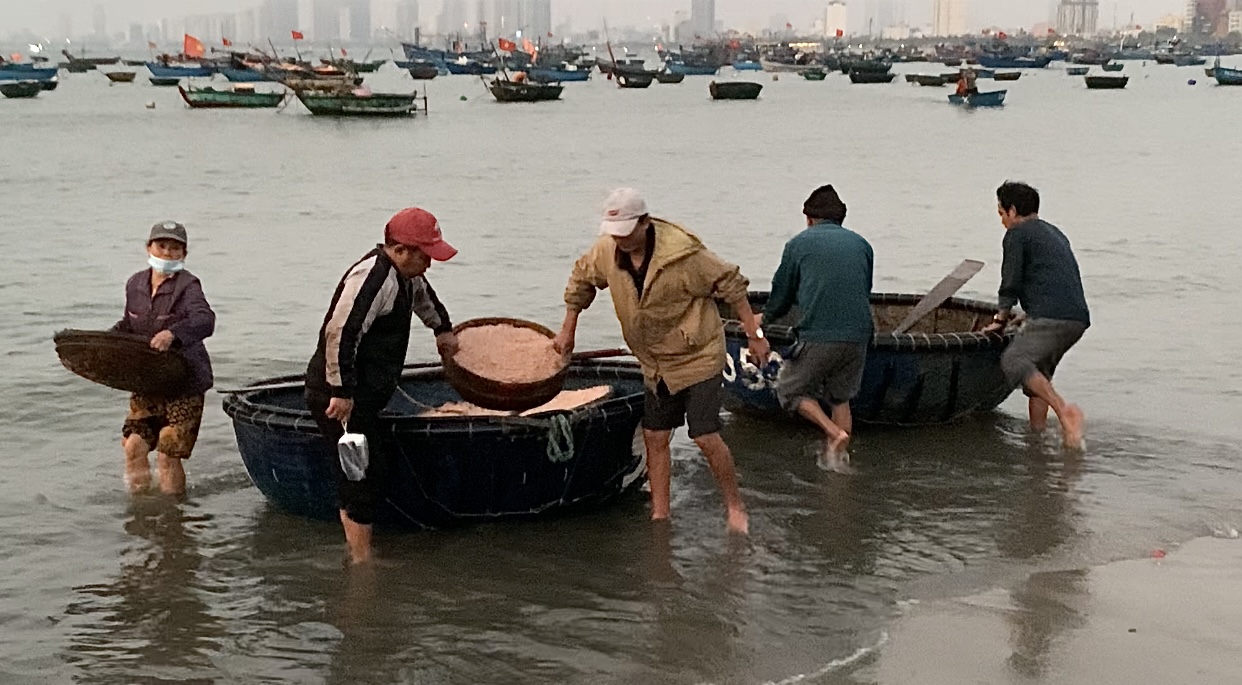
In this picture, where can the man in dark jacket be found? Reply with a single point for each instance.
(361, 353)
(826, 271)
(1039, 272)
(166, 304)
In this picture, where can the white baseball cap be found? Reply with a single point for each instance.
(622, 210)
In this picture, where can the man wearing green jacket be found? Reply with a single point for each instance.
(826, 270)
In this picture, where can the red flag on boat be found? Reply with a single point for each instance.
(15, 57)
(840, 32)
(346, 54)
(788, 26)
(1052, 32)
(1002, 35)
(549, 34)
(227, 43)
(193, 47)
(151, 45)
(297, 35)
(528, 46)
(506, 45)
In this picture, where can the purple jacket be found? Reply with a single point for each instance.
(178, 306)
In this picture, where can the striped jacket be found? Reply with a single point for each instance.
(366, 331)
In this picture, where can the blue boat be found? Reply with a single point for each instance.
(164, 71)
(995, 98)
(679, 67)
(1227, 77)
(26, 72)
(941, 371)
(243, 75)
(456, 469)
(1010, 62)
(555, 75)
(748, 65)
(469, 68)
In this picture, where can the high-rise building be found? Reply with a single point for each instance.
(278, 19)
(878, 15)
(537, 18)
(1078, 17)
(1208, 17)
(836, 19)
(949, 18)
(454, 17)
(505, 18)
(325, 20)
(359, 21)
(703, 17)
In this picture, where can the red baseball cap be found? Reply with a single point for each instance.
(419, 228)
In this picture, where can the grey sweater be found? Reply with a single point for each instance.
(1040, 272)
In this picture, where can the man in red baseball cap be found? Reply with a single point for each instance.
(361, 354)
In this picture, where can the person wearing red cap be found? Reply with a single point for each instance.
(361, 353)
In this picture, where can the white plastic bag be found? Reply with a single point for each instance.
(354, 453)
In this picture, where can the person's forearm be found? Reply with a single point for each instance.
(747, 317)
(570, 324)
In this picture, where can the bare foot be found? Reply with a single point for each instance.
(839, 444)
(137, 482)
(836, 462)
(659, 515)
(738, 522)
(1072, 427)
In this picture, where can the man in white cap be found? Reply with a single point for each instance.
(665, 287)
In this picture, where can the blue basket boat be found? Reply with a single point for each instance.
(994, 98)
(450, 470)
(164, 71)
(941, 371)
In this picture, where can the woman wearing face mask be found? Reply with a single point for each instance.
(166, 303)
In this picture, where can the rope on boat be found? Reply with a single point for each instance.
(560, 439)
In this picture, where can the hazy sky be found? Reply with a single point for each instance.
(42, 15)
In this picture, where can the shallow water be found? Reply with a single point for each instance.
(98, 588)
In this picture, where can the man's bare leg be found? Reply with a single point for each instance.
(1038, 410)
(137, 465)
(1070, 416)
(837, 439)
(659, 471)
(357, 539)
(720, 459)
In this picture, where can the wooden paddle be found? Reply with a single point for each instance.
(291, 385)
(945, 289)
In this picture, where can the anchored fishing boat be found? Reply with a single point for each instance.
(734, 90)
(242, 96)
(1107, 82)
(358, 103)
(995, 98)
(453, 469)
(20, 89)
(941, 370)
(515, 91)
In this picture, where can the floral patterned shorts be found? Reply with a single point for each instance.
(149, 416)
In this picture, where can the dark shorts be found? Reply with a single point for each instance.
(699, 405)
(359, 499)
(149, 416)
(830, 373)
(1039, 347)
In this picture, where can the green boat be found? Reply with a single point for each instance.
(814, 74)
(359, 104)
(20, 89)
(242, 96)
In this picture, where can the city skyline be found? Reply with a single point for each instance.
(117, 16)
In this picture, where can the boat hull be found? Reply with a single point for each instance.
(19, 72)
(243, 75)
(865, 77)
(1227, 77)
(921, 378)
(993, 62)
(674, 67)
(350, 105)
(735, 90)
(747, 66)
(457, 470)
(165, 72)
(995, 98)
(223, 99)
(20, 89)
(1107, 82)
(558, 75)
(505, 91)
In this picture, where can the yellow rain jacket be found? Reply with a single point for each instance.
(674, 330)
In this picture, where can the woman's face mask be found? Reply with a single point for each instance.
(166, 256)
(166, 266)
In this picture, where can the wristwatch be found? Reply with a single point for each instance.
(758, 333)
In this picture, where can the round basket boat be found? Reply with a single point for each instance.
(122, 361)
(499, 395)
(944, 369)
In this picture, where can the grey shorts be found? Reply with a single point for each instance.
(826, 372)
(1039, 347)
(699, 405)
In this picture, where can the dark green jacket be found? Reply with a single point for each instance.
(826, 271)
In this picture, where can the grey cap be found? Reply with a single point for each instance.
(168, 230)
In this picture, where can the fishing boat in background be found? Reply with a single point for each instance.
(734, 90)
(360, 102)
(422, 71)
(165, 81)
(566, 73)
(1106, 82)
(1007, 75)
(747, 65)
(1077, 71)
(161, 70)
(10, 71)
(242, 96)
(863, 77)
(931, 81)
(121, 76)
(815, 74)
(505, 90)
(453, 469)
(666, 77)
(94, 61)
(20, 89)
(995, 61)
(942, 370)
(634, 81)
(1226, 77)
(1113, 66)
(995, 98)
